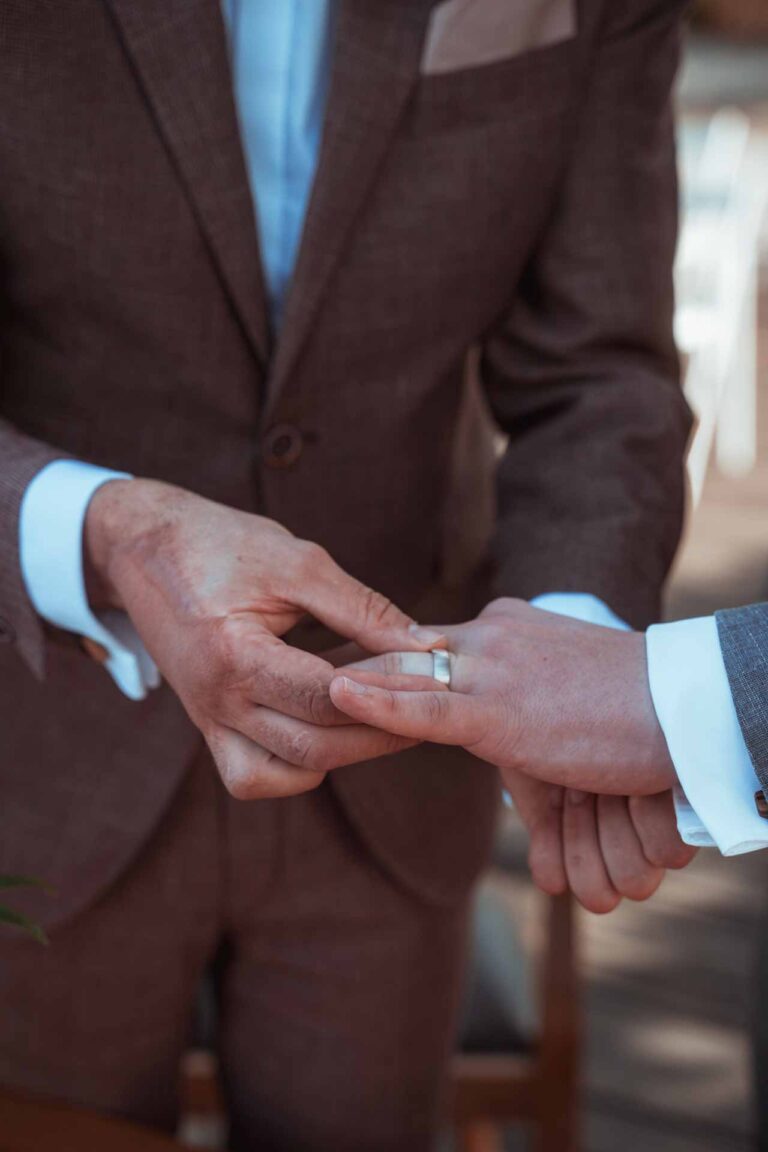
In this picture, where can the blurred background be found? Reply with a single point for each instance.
(675, 993)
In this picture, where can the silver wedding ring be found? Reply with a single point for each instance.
(441, 666)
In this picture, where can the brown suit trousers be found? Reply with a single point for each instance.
(335, 989)
(514, 210)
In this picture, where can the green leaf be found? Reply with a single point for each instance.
(22, 882)
(26, 925)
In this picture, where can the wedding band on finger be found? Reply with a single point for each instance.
(441, 666)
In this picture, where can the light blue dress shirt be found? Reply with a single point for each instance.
(280, 53)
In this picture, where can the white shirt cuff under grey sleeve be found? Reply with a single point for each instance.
(51, 545)
(580, 606)
(693, 702)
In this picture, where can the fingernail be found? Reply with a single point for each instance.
(353, 686)
(428, 636)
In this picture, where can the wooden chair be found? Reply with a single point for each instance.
(31, 1124)
(537, 1084)
(534, 1085)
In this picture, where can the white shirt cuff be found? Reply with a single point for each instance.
(693, 702)
(51, 545)
(580, 606)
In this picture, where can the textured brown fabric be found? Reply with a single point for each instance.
(337, 990)
(524, 209)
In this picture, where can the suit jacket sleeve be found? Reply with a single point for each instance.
(583, 374)
(21, 458)
(743, 636)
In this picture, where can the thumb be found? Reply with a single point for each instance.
(353, 610)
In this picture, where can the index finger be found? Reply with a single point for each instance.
(356, 611)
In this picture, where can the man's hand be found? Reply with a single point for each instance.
(562, 701)
(210, 591)
(604, 848)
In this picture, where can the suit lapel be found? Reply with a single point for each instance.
(179, 53)
(375, 66)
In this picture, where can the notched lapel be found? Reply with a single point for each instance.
(378, 45)
(179, 53)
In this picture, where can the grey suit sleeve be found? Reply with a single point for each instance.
(21, 458)
(744, 640)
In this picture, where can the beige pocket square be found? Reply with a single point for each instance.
(469, 33)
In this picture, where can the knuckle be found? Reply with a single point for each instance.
(376, 608)
(502, 606)
(640, 887)
(238, 783)
(600, 901)
(227, 642)
(674, 854)
(300, 749)
(308, 698)
(656, 856)
(240, 779)
(310, 783)
(437, 707)
(680, 856)
(312, 557)
(546, 870)
(238, 786)
(546, 876)
(305, 560)
(393, 744)
(317, 703)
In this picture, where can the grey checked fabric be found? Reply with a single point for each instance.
(744, 639)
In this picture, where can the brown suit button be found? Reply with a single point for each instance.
(283, 445)
(7, 635)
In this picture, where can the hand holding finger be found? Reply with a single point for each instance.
(251, 773)
(315, 747)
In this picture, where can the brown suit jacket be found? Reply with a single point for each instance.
(519, 207)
